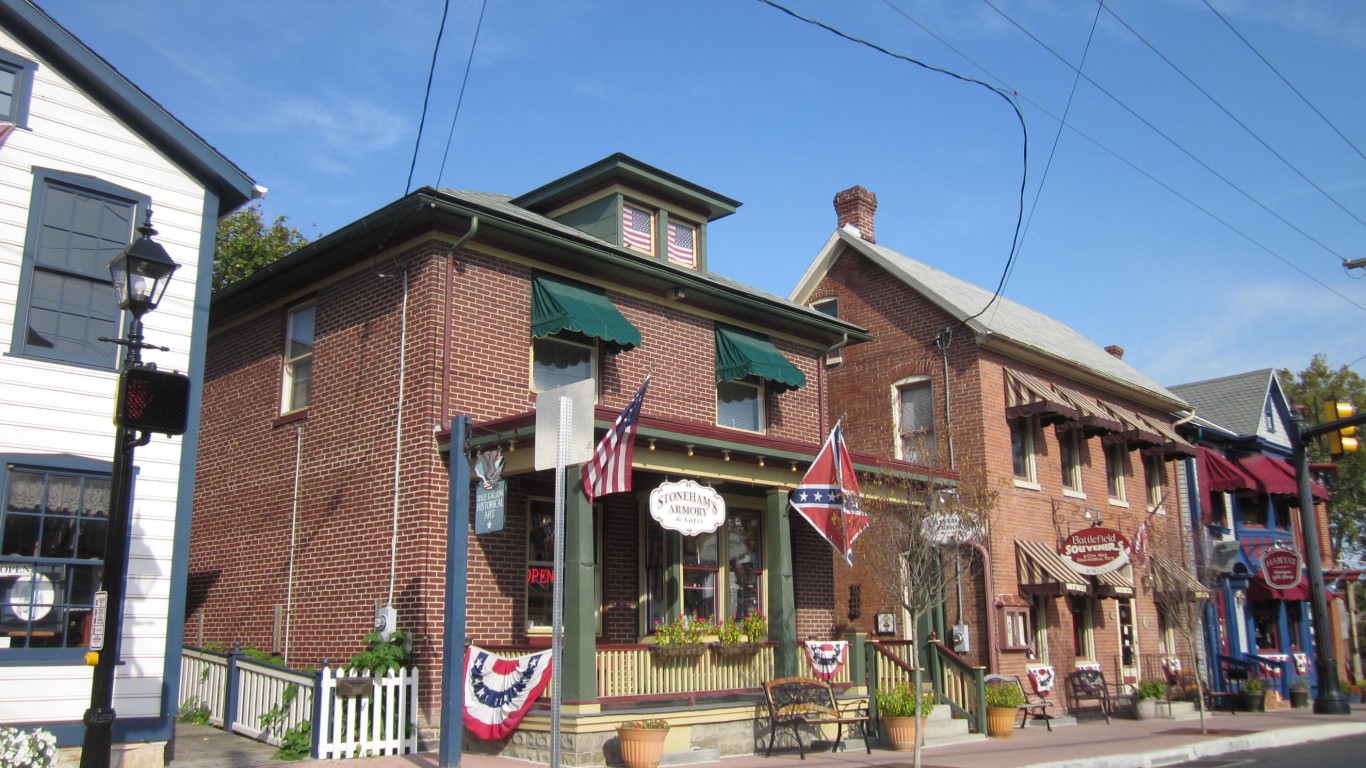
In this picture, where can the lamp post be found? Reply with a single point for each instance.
(140, 273)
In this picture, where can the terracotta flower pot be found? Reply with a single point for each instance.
(642, 747)
(1001, 721)
(899, 732)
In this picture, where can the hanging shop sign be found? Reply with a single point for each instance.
(1282, 568)
(1094, 551)
(490, 495)
(687, 507)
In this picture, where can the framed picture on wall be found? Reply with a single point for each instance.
(886, 624)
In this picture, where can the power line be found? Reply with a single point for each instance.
(1231, 116)
(431, 72)
(1024, 168)
(1288, 84)
(1159, 132)
(461, 98)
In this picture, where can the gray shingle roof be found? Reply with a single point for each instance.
(1236, 403)
(1007, 319)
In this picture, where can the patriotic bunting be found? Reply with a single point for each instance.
(499, 691)
(827, 657)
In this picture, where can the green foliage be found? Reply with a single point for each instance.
(1300, 684)
(1150, 688)
(683, 630)
(296, 742)
(386, 653)
(755, 625)
(1253, 685)
(265, 657)
(1311, 388)
(653, 724)
(728, 632)
(274, 717)
(1003, 694)
(194, 712)
(245, 244)
(900, 701)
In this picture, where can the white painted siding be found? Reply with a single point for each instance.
(49, 408)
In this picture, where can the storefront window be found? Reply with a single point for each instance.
(721, 573)
(1266, 616)
(541, 565)
(1081, 627)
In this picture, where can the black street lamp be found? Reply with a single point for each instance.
(140, 273)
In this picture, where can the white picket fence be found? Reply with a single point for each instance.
(353, 714)
(362, 715)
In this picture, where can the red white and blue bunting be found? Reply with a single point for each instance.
(1041, 677)
(499, 691)
(827, 657)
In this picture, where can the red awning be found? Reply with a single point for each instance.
(1276, 476)
(1221, 475)
(1258, 589)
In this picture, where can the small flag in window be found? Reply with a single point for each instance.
(637, 228)
(609, 471)
(681, 249)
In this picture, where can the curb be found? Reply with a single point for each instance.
(1283, 737)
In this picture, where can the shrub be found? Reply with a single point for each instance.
(900, 701)
(1151, 688)
(387, 653)
(1004, 694)
(194, 712)
(296, 742)
(1253, 685)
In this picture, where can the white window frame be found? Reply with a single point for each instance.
(931, 438)
(291, 380)
(1071, 440)
(1117, 473)
(761, 404)
(830, 305)
(588, 344)
(1027, 427)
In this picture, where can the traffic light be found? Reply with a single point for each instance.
(1343, 440)
(153, 401)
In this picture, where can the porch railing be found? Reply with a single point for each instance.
(960, 685)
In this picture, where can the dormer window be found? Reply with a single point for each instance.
(637, 229)
(683, 244)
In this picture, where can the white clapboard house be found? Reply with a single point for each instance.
(84, 155)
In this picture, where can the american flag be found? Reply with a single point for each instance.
(681, 249)
(609, 471)
(637, 228)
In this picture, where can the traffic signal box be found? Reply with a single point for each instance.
(153, 401)
(1343, 440)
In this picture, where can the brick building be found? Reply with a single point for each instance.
(1068, 434)
(332, 379)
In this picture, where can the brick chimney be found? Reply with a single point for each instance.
(1116, 350)
(856, 206)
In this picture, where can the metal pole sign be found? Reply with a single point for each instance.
(97, 620)
(457, 577)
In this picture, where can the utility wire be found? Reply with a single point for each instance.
(1009, 99)
(1231, 116)
(461, 98)
(1128, 162)
(426, 99)
(1168, 138)
(1288, 84)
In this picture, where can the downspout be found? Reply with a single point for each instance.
(991, 606)
(942, 340)
(293, 536)
(398, 437)
(444, 414)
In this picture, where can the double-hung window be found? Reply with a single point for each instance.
(916, 440)
(721, 573)
(1022, 442)
(1116, 470)
(298, 384)
(562, 359)
(16, 87)
(1069, 450)
(77, 224)
(52, 533)
(740, 404)
(1155, 473)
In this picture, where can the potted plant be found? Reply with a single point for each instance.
(729, 641)
(898, 710)
(1299, 692)
(1145, 697)
(642, 742)
(1003, 699)
(1254, 695)
(681, 637)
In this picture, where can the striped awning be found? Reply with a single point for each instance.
(1174, 584)
(1173, 445)
(1027, 396)
(1091, 417)
(1042, 571)
(1117, 583)
(1133, 430)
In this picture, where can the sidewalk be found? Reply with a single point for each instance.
(1091, 744)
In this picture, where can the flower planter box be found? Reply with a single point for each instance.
(735, 650)
(686, 651)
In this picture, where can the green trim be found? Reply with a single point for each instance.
(740, 354)
(782, 599)
(563, 305)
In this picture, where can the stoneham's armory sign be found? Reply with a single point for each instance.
(687, 507)
(1094, 551)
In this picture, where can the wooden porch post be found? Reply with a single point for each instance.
(578, 675)
(782, 606)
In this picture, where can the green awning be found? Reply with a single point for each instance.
(740, 354)
(563, 305)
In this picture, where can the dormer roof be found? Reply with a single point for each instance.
(629, 172)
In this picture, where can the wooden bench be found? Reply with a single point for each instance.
(1035, 707)
(1089, 685)
(794, 702)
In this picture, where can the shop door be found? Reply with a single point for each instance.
(1128, 644)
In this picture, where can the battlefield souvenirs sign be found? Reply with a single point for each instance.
(687, 507)
(1094, 551)
(1281, 568)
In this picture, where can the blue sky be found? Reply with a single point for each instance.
(321, 103)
